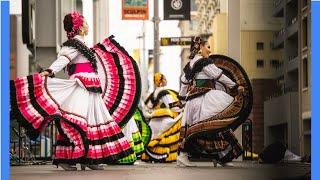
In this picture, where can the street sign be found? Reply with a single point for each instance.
(135, 10)
(175, 41)
(176, 9)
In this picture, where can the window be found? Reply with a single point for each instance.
(260, 45)
(193, 25)
(260, 63)
(305, 73)
(193, 5)
(274, 63)
(79, 6)
(305, 30)
(305, 3)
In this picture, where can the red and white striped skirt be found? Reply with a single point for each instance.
(86, 131)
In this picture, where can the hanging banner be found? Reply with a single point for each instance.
(135, 10)
(176, 9)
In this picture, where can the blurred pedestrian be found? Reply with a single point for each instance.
(164, 116)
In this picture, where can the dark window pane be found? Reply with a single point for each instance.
(260, 63)
(274, 63)
(305, 32)
(305, 73)
(193, 5)
(260, 45)
(305, 3)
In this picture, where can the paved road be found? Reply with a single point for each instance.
(141, 171)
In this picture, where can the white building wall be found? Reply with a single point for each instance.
(88, 15)
(234, 29)
(101, 19)
(262, 18)
(22, 51)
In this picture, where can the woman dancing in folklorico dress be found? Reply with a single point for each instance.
(101, 94)
(215, 106)
(133, 135)
(165, 122)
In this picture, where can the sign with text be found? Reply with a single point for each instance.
(175, 41)
(135, 10)
(176, 9)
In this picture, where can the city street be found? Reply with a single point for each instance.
(205, 170)
(101, 79)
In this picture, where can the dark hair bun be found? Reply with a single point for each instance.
(67, 22)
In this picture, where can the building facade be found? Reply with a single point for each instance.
(292, 124)
(259, 59)
(305, 76)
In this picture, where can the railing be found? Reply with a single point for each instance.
(279, 66)
(247, 140)
(280, 33)
(24, 151)
(292, 57)
(276, 3)
(292, 21)
(279, 37)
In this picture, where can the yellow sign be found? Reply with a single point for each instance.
(175, 41)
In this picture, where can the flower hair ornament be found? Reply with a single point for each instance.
(195, 46)
(73, 23)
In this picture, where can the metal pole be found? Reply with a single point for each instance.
(51, 139)
(156, 50)
(144, 62)
(20, 143)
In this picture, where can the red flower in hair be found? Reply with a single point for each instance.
(77, 22)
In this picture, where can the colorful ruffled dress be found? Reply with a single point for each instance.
(143, 127)
(138, 133)
(165, 123)
(132, 133)
(88, 108)
(214, 108)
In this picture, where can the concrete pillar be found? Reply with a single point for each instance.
(22, 51)
(234, 29)
(88, 15)
(101, 20)
(234, 49)
(144, 62)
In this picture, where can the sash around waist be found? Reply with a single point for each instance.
(209, 83)
(83, 67)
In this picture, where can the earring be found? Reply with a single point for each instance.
(81, 32)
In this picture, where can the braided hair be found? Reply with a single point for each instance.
(196, 43)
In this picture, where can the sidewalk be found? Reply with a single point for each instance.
(141, 171)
